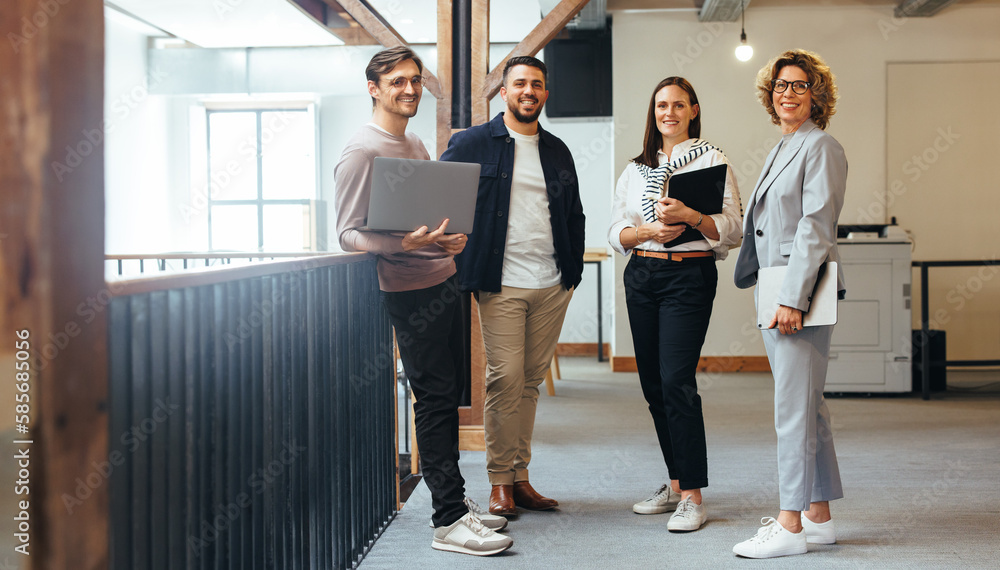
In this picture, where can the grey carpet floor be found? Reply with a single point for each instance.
(922, 481)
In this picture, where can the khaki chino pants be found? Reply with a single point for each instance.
(520, 330)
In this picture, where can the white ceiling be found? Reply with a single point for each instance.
(276, 23)
(231, 23)
(273, 23)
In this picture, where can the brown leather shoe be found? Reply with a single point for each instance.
(527, 497)
(502, 500)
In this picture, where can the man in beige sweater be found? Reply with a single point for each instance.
(416, 274)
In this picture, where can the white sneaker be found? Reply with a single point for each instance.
(819, 533)
(468, 536)
(688, 517)
(492, 522)
(771, 541)
(663, 500)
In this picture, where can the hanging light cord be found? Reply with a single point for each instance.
(743, 21)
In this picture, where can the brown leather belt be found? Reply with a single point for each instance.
(673, 255)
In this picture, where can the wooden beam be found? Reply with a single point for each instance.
(51, 263)
(547, 29)
(386, 35)
(480, 60)
(444, 50)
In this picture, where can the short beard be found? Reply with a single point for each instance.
(521, 117)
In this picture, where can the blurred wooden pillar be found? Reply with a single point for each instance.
(471, 432)
(52, 263)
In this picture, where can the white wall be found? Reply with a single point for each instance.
(135, 139)
(857, 42)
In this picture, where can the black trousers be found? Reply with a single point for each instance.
(669, 307)
(428, 325)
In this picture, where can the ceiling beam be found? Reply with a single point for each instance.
(336, 20)
(920, 8)
(721, 10)
(379, 28)
(536, 39)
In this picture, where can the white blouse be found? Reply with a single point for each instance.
(627, 206)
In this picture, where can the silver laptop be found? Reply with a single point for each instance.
(822, 309)
(408, 193)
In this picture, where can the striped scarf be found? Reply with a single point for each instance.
(657, 177)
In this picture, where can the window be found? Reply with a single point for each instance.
(261, 168)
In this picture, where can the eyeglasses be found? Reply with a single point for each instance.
(417, 81)
(798, 87)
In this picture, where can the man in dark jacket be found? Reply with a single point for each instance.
(522, 261)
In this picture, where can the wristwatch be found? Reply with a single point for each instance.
(700, 218)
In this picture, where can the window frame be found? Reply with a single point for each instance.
(259, 109)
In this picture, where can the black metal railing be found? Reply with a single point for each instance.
(134, 264)
(251, 425)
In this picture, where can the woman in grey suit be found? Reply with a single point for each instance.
(791, 220)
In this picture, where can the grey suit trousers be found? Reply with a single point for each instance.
(807, 463)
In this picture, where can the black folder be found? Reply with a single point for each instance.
(701, 190)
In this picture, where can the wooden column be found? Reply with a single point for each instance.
(52, 269)
(471, 433)
(480, 60)
(444, 75)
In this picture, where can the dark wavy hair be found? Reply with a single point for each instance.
(821, 83)
(652, 142)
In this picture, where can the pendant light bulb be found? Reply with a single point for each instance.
(743, 51)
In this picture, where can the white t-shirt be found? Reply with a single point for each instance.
(529, 260)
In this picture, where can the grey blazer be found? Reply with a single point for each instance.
(792, 215)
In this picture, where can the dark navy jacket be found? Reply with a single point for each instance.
(481, 263)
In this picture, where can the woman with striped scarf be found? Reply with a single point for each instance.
(670, 284)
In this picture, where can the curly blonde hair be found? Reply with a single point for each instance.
(821, 83)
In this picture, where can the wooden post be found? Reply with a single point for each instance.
(480, 60)
(52, 270)
(444, 75)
